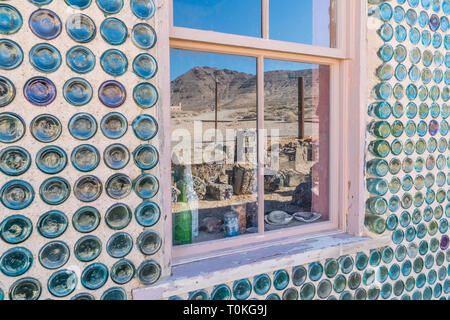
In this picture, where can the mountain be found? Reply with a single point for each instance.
(195, 89)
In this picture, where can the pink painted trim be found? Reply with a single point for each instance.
(188, 34)
(248, 242)
(356, 94)
(203, 250)
(346, 100)
(343, 17)
(163, 49)
(280, 255)
(170, 5)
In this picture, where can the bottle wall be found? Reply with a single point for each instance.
(80, 213)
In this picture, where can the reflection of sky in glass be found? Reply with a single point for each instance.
(290, 20)
(241, 17)
(302, 21)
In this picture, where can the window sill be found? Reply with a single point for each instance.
(191, 276)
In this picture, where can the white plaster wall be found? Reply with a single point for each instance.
(64, 111)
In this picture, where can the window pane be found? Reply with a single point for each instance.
(296, 164)
(303, 21)
(227, 16)
(213, 171)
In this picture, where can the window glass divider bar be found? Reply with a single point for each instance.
(260, 141)
(338, 146)
(265, 28)
(170, 8)
(342, 16)
(249, 52)
(244, 44)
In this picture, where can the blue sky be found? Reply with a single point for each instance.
(290, 20)
(230, 16)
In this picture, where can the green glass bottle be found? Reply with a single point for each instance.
(379, 148)
(182, 233)
(377, 186)
(397, 128)
(378, 167)
(379, 129)
(376, 205)
(381, 110)
(375, 223)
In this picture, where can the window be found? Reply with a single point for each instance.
(259, 100)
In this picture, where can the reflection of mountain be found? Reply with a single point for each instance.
(195, 89)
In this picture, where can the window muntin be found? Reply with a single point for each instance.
(310, 22)
(213, 162)
(296, 105)
(239, 17)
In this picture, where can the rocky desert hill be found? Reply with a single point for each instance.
(195, 89)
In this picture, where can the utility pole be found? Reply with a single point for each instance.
(301, 108)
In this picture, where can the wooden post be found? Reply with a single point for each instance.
(301, 108)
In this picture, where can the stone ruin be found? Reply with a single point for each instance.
(221, 181)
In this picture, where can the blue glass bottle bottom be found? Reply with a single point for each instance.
(45, 24)
(40, 91)
(45, 57)
(11, 54)
(81, 28)
(11, 19)
(112, 94)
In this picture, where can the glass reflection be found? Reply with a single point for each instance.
(315, 18)
(227, 16)
(213, 171)
(296, 114)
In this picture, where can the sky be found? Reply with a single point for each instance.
(290, 20)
